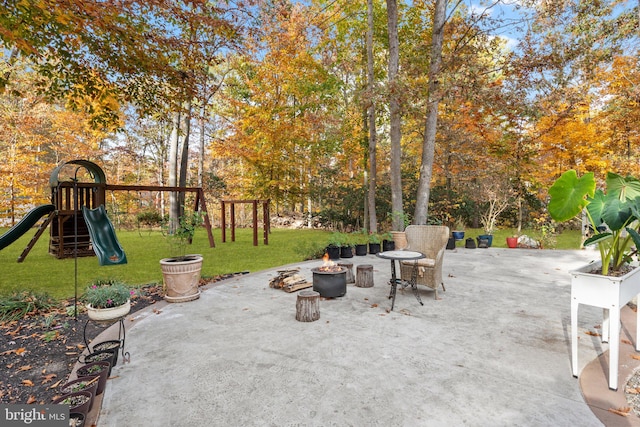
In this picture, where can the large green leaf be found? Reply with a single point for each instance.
(622, 188)
(596, 206)
(635, 207)
(616, 214)
(598, 238)
(568, 195)
(634, 236)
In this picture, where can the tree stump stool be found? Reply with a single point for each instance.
(364, 276)
(349, 267)
(308, 306)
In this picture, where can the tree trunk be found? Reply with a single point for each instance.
(174, 210)
(429, 140)
(203, 122)
(184, 157)
(373, 220)
(395, 132)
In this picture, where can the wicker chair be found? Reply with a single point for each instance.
(431, 240)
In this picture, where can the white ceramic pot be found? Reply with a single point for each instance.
(106, 314)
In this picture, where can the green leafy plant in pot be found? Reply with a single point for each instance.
(108, 299)
(613, 214)
(181, 235)
(181, 272)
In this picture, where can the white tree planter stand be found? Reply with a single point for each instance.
(610, 293)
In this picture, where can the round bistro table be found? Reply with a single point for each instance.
(402, 255)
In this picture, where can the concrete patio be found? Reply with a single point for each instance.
(493, 351)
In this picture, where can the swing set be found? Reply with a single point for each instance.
(79, 222)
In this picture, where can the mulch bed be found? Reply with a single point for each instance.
(39, 351)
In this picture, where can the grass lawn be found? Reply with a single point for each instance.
(41, 272)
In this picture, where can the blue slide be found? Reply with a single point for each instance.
(103, 236)
(25, 224)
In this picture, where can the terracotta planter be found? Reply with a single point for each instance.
(108, 314)
(181, 277)
(512, 242)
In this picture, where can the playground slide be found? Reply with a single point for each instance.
(25, 224)
(103, 236)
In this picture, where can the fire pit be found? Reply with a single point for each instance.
(330, 280)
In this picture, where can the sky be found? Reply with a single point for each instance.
(511, 15)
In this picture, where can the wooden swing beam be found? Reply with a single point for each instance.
(199, 205)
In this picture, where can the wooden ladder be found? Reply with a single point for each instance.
(35, 238)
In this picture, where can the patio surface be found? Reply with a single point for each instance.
(493, 351)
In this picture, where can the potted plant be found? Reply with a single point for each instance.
(512, 242)
(76, 419)
(102, 369)
(107, 300)
(374, 243)
(612, 214)
(346, 250)
(78, 402)
(387, 241)
(611, 282)
(181, 272)
(89, 384)
(398, 236)
(104, 356)
(336, 239)
(458, 229)
(361, 240)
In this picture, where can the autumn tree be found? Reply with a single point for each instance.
(280, 99)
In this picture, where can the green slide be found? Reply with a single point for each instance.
(103, 236)
(25, 224)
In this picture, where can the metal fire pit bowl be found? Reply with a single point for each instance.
(330, 284)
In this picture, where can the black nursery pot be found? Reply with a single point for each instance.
(388, 245)
(346, 252)
(333, 251)
(361, 249)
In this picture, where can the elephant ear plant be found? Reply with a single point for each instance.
(613, 214)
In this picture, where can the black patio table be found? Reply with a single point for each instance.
(402, 255)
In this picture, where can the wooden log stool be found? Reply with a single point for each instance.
(364, 276)
(308, 306)
(349, 267)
